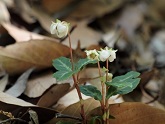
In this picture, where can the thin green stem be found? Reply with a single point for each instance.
(102, 90)
(76, 83)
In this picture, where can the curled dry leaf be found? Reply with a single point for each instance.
(53, 95)
(133, 113)
(19, 87)
(36, 86)
(12, 100)
(4, 15)
(3, 82)
(19, 57)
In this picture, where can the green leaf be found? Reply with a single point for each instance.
(95, 119)
(124, 84)
(92, 91)
(111, 91)
(64, 67)
(82, 62)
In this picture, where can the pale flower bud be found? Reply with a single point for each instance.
(107, 77)
(92, 54)
(60, 29)
(104, 54)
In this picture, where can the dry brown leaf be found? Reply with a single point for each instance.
(133, 113)
(20, 34)
(36, 53)
(36, 86)
(3, 82)
(68, 99)
(53, 95)
(12, 100)
(84, 34)
(18, 111)
(19, 87)
(92, 8)
(4, 15)
(74, 109)
(55, 5)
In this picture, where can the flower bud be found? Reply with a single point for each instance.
(60, 29)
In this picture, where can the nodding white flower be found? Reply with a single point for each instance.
(92, 54)
(60, 29)
(112, 56)
(104, 54)
(107, 54)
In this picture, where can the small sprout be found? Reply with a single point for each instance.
(92, 54)
(60, 29)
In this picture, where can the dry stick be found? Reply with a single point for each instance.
(75, 83)
(13, 119)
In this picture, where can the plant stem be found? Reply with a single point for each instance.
(102, 86)
(106, 101)
(76, 84)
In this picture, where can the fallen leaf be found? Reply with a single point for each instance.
(84, 34)
(133, 113)
(53, 95)
(21, 35)
(37, 85)
(3, 82)
(74, 109)
(19, 87)
(12, 100)
(4, 15)
(68, 99)
(18, 111)
(33, 117)
(19, 57)
(55, 5)
(97, 9)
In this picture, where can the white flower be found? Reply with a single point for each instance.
(112, 55)
(104, 54)
(92, 54)
(60, 29)
(107, 54)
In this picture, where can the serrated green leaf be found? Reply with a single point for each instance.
(92, 91)
(82, 62)
(64, 67)
(125, 83)
(62, 64)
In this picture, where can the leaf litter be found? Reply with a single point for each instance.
(140, 42)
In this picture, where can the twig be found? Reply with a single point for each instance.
(13, 119)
